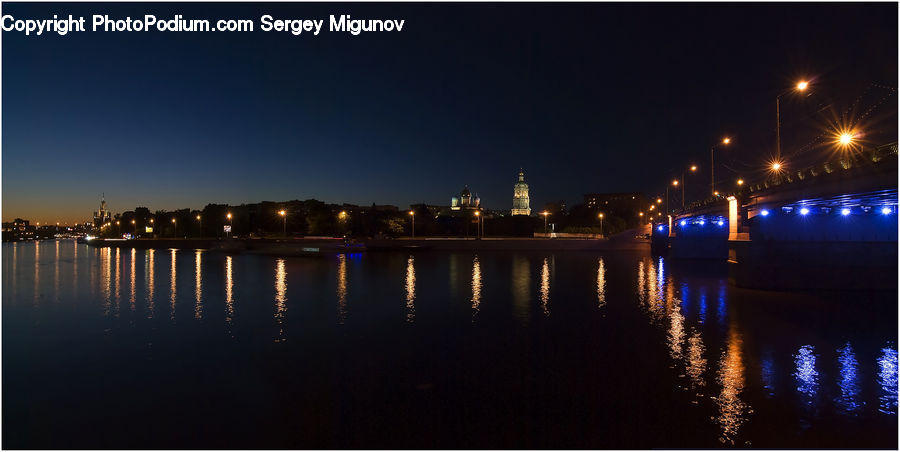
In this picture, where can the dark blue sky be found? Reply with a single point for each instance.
(586, 97)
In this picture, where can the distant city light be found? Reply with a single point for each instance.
(764, 213)
(845, 211)
(721, 223)
(660, 228)
(683, 222)
(886, 210)
(804, 211)
(702, 222)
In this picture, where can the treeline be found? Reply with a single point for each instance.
(316, 218)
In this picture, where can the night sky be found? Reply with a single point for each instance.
(585, 97)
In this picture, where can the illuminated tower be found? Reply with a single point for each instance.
(101, 216)
(521, 203)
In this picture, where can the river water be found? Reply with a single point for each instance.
(121, 348)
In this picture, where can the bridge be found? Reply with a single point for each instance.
(833, 225)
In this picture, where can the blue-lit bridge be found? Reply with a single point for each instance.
(832, 225)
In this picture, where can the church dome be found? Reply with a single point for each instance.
(466, 191)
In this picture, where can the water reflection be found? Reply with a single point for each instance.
(229, 292)
(521, 288)
(198, 285)
(476, 286)
(118, 285)
(133, 295)
(410, 290)
(56, 273)
(37, 273)
(848, 401)
(676, 332)
(731, 378)
(767, 368)
(696, 363)
(280, 297)
(172, 287)
(151, 278)
(342, 288)
(887, 379)
(806, 375)
(601, 283)
(545, 287)
(106, 279)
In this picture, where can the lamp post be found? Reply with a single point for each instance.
(133, 228)
(174, 229)
(545, 213)
(684, 183)
(674, 184)
(283, 222)
(412, 215)
(712, 165)
(801, 86)
(230, 225)
(477, 224)
(601, 224)
(200, 225)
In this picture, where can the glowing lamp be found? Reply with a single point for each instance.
(804, 211)
(683, 223)
(886, 210)
(721, 223)
(764, 213)
(845, 211)
(660, 228)
(802, 85)
(702, 222)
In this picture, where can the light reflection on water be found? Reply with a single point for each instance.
(280, 297)
(734, 367)
(229, 293)
(172, 278)
(411, 289)
(848, 401)
(198, 284)
(476, 287)
(601, 283)
(732, 409)
(887, 379)
(151, 279)
(545, 287)
(342, 288)
(806, 375)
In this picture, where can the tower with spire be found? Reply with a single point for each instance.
(102, 215)
(521, 202)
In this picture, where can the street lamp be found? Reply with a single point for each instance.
(283, 222)
(740, 181)
(412, 214)
(801, 86)
(200, 225)
(712, 164)
(477, 224)
(230, 225)
(545, 213)
(174, 229)
(133, 228)
(684, 183)
(601, 224)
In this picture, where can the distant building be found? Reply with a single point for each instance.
(102, 215)
(624, 205)
(521, 202)
(465, 201)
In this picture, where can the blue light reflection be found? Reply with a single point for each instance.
(848, 402)
(806, 375)
(887, 379)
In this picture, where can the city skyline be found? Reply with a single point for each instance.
(594, 98)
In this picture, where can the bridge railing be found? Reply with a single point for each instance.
(864, 157)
